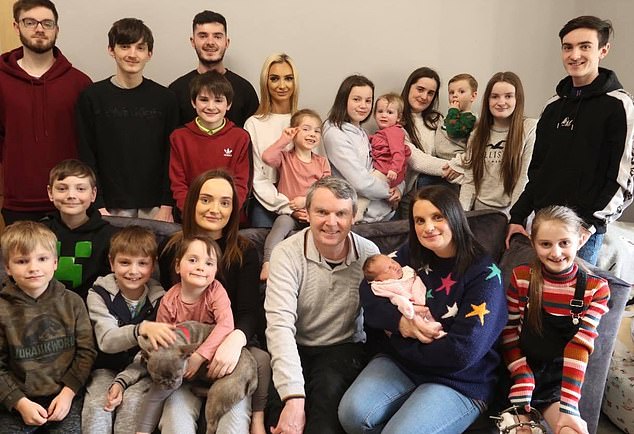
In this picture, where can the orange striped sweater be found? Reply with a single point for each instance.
(558, 290)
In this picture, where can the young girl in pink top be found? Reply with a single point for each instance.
(298, 169)
(198, 297)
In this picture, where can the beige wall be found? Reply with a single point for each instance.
(332, 39)
(8, 38)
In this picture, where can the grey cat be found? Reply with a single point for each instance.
(166, 367)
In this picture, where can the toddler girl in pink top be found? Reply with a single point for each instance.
(198, 297)
(388, 150)
(298, 169)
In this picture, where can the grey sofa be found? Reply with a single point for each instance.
(490, 229)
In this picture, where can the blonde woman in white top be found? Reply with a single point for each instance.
(279, 92)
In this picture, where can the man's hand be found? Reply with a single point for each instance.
(60, 405)
(514, 229)
(164, 214)
(227, 355)
(32, 413)
(113, 397)
(158, 333)
(292, 419)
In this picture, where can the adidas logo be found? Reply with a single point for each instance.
(228, 152)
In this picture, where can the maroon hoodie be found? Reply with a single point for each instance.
(37, 127)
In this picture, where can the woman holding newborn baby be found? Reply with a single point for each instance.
(435, 372)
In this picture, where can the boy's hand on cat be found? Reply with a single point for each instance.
(227, 355)
(158, 333)
(292, 419)
(32, 413)
(114, 397)
(391, 175)
(194, 363)
(60, 405)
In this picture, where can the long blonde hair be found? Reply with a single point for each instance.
(549, 214)
(264, 109)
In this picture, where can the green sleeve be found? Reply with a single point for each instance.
(459, 124)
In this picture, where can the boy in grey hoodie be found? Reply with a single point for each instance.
(122, 306)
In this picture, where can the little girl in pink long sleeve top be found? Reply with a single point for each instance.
(198, 297)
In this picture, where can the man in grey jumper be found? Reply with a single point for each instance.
(314, 321)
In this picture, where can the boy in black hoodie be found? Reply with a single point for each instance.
(583, 150)
(83, 236)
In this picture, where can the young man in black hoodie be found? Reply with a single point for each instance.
(583, 150)
(83, 236)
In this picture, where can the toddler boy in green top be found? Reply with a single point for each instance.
(451, 140)
(459, 122)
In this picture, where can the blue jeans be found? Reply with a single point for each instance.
(259, 216)
(590, 250)
(384, 399)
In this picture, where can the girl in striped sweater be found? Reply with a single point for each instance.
(554, 310)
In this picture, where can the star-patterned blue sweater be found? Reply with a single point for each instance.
(472, 310)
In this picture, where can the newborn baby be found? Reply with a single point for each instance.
(400, 284)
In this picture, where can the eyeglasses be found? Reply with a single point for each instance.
(31, 23)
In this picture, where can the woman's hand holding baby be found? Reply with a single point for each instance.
(420, 327)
